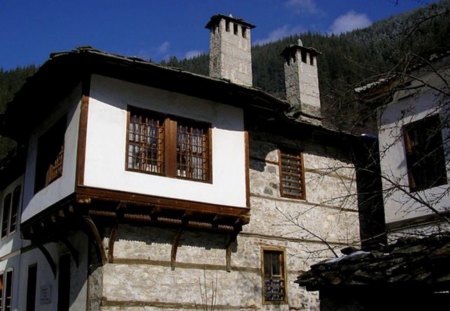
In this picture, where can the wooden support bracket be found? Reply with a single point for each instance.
(233, 238)
(72, 250)
(93, 233)
(48, 257)
(175, 243)
(112, 240)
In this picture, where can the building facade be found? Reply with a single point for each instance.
(149, 188)
(414, 144)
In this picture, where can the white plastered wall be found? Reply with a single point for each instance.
(106, 143)
(65, 185)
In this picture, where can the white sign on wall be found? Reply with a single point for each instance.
(45, 294)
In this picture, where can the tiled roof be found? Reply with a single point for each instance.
(408, 262)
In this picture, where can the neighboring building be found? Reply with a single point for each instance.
(412, 272)
(414, 147)
(149, 187)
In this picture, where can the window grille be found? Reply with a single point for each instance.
(146, 144)
(168, 146)
(274, 276)
(192, 152)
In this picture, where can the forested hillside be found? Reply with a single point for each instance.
(10, 82)
(347, 60)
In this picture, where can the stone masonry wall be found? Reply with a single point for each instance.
(141, 278)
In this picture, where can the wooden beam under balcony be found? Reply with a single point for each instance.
(130, 207)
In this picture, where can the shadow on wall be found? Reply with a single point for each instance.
(136, 241)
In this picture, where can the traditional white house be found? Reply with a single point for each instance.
(412, 271)
(414, 147)
(151, 188)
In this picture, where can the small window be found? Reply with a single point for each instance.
(425, 154)
(244, 32)
(6, 213)
(14, 209)
(227, 26)
(235, 29)
(274, 287)
(292, 179)
(168, 146)
(50, 154)
(10, 209)
(6, 291)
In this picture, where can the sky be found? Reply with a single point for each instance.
(157, 29)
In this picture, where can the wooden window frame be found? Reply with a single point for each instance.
(156, 124)
(282, 276)
(285, 152)
(171, 155)
(432, 171)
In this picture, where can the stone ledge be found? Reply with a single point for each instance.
(299, 201)
(169, 305)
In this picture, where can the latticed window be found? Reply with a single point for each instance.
(425, 154)
(169, 146)
(292, 180)
(146, 142)
(274, 276)
(192, 152)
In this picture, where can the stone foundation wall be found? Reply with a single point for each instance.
(141, 278)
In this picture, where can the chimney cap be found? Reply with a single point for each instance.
(289, 50)
(216, 18)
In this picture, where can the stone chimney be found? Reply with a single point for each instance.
(230, 49)
(302, 82)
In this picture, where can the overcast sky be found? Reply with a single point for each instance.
(156, 29)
